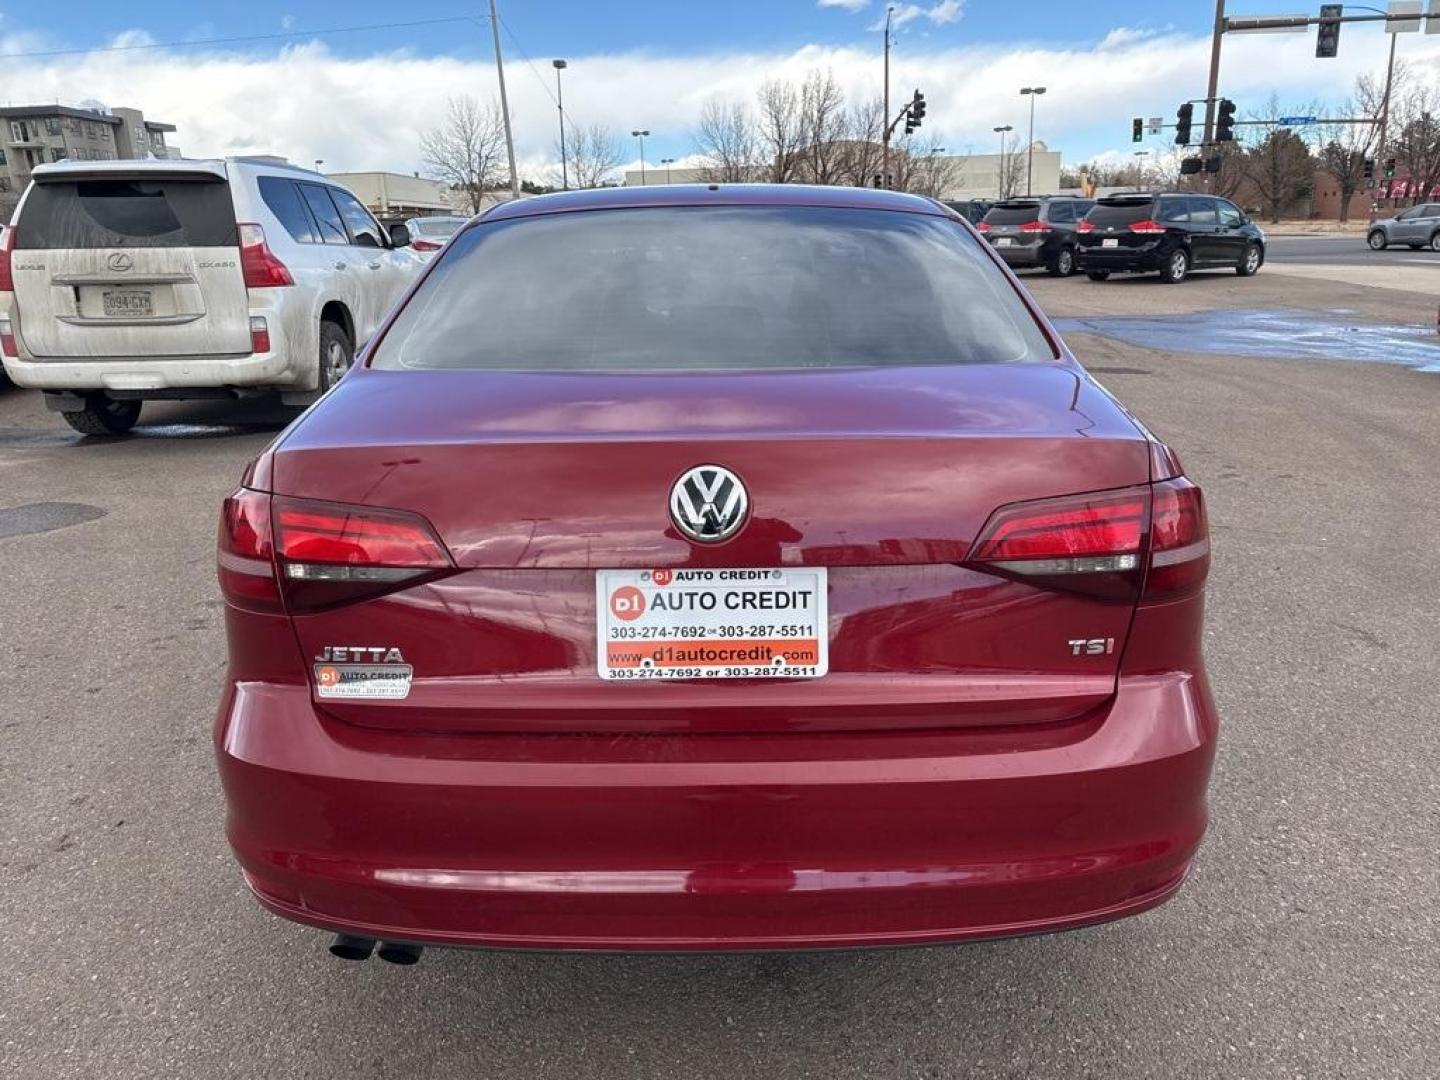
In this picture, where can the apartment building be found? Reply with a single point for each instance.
(33, 135)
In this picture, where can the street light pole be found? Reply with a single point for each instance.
(1032, 92)
(318, 163)
(504, 103)
(1385, 115)
(885, 118)
(667, 162)
(1002, 131)
(560, 66)
(641, 136)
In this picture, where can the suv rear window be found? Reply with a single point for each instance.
(1012, 213)
(1108, 212)
(713, 289)
(127, 212)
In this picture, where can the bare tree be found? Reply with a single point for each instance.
(1343, 154)
(861, 156)
(1012, 171)
(1416, 143)
(931, 172)
(592, 155)
(822, 125)
(780, 134)
(725, 140)
(465, 151)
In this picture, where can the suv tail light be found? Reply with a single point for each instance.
(259, 264)
(1147, 227)
(1085, 226)
(425, 245)
(7, 245)
(982, 227)
(282, 553)
(1035, 227)
(1106, 544)
(7, 338)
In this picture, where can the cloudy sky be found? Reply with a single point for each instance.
(358, 99)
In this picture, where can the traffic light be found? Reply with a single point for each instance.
(1327, 35)
(1137, 129)
(1369, 168)
(1389, 168)
(1213, 163)
(916, 112)
(1190, 166)
(1182, 124)
(1225, 121)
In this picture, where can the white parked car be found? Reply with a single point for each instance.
(126, 281)
(428, 234)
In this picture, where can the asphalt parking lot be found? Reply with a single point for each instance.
(1307, 943)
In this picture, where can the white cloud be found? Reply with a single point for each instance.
(1124, 36)
(287, 22)
(305, 102)
(944, 11)
(851, 6)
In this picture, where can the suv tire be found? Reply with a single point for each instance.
(1177, 265)
(1251, 262)
(1063, 264)
(104, 416)
(1098, 275)
(1377, 240)
(336, 355)
(1435, 240)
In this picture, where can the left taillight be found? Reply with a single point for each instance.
(7, 246)
(425, 245)
(333, 553)
(1085, 226)
(245, 555)
(261, 267)
(1108, 544)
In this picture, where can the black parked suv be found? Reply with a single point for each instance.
(1171, 233)
(1037, 231)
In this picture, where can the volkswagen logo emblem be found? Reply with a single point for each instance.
(709, 504)
(118, 262)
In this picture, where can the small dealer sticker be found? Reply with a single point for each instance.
(711, 624)
(388, 681)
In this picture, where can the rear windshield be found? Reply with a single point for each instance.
(438, 227)
(1120, 213)
(1012, 215)
(135, 212)
(711, 289)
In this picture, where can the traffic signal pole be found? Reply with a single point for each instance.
(1212, 87)
(1385, 116)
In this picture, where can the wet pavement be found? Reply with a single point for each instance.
(1295, 334)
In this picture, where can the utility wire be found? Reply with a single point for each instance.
(235, 40)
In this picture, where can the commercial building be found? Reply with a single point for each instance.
(399, 195)
(33, 135)
(967, 176)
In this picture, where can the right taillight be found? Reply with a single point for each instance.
(245, 556)
(1147, 227)
(1179, 541)
(1107, 544)
(982, 227)
(7, 245)
(1085, 226)
(261, 267)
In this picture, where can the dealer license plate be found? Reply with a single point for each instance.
(711, 624)
(1111, 242)
(1003, 241)
(127, 303)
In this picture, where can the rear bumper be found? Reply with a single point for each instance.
(716, 842)
(1095, 258)
(138, 373)
(1033, 255)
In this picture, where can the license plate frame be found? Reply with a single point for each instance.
(712, 624)
(1110, 242)
(1004, 241)
(127, 303)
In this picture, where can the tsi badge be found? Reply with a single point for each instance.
(1095, 646)
(362, 671)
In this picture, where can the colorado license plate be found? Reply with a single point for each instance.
(711, 624)
(1004, 241)
(127, 303)
(1110, 243)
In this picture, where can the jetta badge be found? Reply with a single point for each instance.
(709, 504)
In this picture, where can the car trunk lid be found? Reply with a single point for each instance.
(142, 263)
(882, 477)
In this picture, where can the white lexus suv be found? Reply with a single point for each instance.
(128, 281)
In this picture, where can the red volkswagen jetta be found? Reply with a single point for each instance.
(714, 568)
